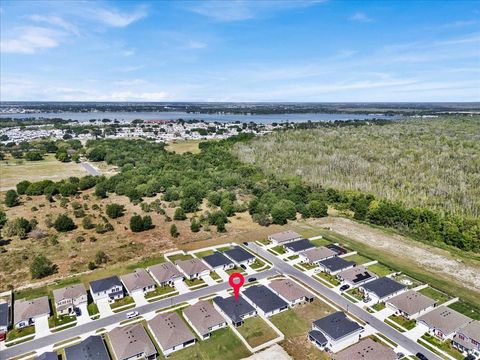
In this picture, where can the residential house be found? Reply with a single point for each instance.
(193, 268)
(411, 304)
(315, 255)
(4, 319)
(218, 261)
(171, 333)
(264, 300)
(165, 273)
(367, 349)
(49, 355)
(298, 245)
(236, 311)
(204, 319)
(92, 348)
(25, 312)
(382, 289)
(356, 276)
(337, 248)
(290, 291)
(110, 288)
(131, 342)
(444, 322)
(284, 237)
(69, 298)
(240, 256)
(138, 282)
(336, 330)
(335, 264)
(467, 339)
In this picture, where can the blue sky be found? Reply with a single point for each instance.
(240, 51)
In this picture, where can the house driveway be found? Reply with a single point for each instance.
(104, 308)
(139, 298)
(416, 332)
(208, 279)
(181, 286)
(383, 314)
(223, 274)
(84, 316)
(41, 326)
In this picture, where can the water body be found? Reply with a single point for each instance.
(268, 118)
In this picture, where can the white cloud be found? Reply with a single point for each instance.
(192, 44)
(30, 39)
(55, 21)
(361, 17)
(115, 18)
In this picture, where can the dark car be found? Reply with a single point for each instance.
(245, 243)
(78, 312)
(252, 279)
(400, 355)
(344, 287)
(243, 267)
(421, 356)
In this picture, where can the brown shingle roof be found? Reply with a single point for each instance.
(285, 236)
(69, 292)
(472, 331)
(192, 266)
(203, 316)
(411, 302)
(445, 319)
(366, 350)
(137, 280)
(170, 330)
(131, 340)
(165, 272)
(318, 254)
(289, 289)
(356, 274)
(26, 309)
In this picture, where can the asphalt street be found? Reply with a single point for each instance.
(90, 169)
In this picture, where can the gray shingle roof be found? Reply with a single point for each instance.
(336, 263)
(285, 236)
(69, 292)
(337, 325)
(105, 284)
(239, 254)
(299, 245)
(366, 350)
(264, 298)
(319, 253)
(383, 287)
(234, 310)
(130, 340)
(170, 330)
(26, 309)
(289, 289)
(165, 272)
(92, 348)
(203, 316)
(137, 280)
(445, 319)
(411, 302)
(217, 259)
(192, 266)
(356, 274)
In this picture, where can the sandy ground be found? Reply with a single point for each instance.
(273, 352)
(432, 259)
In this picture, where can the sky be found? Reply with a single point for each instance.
(299, 51)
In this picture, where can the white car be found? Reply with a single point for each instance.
(132, 314)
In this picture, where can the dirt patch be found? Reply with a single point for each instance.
(432, 259)
(273, 352)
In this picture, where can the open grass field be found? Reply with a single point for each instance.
(49, 168)
(256, 331)
(183, 146)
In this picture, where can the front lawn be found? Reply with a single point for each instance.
(127, 300)
(434, 294)
(18, 333)
(279, 249)
(234, 270)
(380, 269)
(215, 276)
(194, 282)
(54, 321)
(92, 309)
(256, 331)
(403, 321)
(160, 290)
(265, 242)
(357, 294)
(257, 264)
(331, 279)
(309, 266)
(378, 306)
(443, 345)
(176, 257)
(293, 257)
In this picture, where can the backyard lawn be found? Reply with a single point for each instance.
(434, 294)
(468, 309)
(358, 259)
(256, 331)
(257, 264)
(176, 257)
(320, 242)
(202, 254)
(380, 269)
(407, 280)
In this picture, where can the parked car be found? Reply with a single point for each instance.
(366, 299)
(132, 314)
(344, 287)
(421, 356)
(78, 312)
(400, 355)
(243, 267)
(245, 243)
(252, 279)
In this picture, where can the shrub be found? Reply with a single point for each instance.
(41, 267)
(22, 187)
(317, 209)
(179, 214)
(115, 211)
(195, 226)
(33, 156)
(100, 257)
(174, 231)
(11, 198)
(91, 265)
(63, 223)
(87, 223)
(138, 224)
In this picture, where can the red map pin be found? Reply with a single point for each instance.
(236, 281)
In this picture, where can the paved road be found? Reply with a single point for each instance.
(90, 169)
(116, 318)
(341, 302)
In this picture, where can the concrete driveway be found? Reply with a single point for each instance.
(104, 308)
(84, 316)
(223, 274)
(208, 279)
(181, 287)
(41, 327)
(139, 298)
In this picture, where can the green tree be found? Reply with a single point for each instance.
(189, 205)
(68, 189)
(100, 257)
(97, 154)
(101, 190)
(174, 231)
(317, 209)
(63, 223)
(33, 156)
(41, 267)
(179, 214)
(3, 218)
(115, 210)
(283, 211)
(195, 226)
(11, 198)
(22, 187)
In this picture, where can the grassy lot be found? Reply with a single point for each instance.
(358, 259)
(150, 261)
(329, 278)
(378, 306)
(320, 242)
(256, 331)
(202, 254)
(194, 282)
(443, 345)
(176, 257)
(223, 344)
(434, 294)
(265, 241)
(257, 264)
(380, 269)
(357, 294)
(17, 333)
(407, 280)
(54, 321)
(404, 322)
(183, 146)
(160, 290)
(279, 249)
(293, 257)
(467, 309)
(122, 302)
(49, 168)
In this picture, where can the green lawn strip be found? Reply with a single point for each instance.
(18, 333)
(394, 344)
(215, 276)
(92, 309)
(329, 278)
(234, 270)
(279, 249)
(265, 241)
(378, 306)
(127, 300)
(468, 309)
(194, 282)
(350, 298)
(394, 325)
(67, 326)
(299, 267)
(403, 321)
(293, 257)
(256, 331)
(54, 321)
(445, 346)
(74, 339)
(407, 280)
(149, 261)
(179, 305)
(272, 252)
(380, 269)
(356, 293)
(28, 355)
(224, 248)
(320, 242)
(160, 290)
(257, 264)
(202, 254)
(176, 257)
(358, 259)
(434, 294)
(309, 266)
